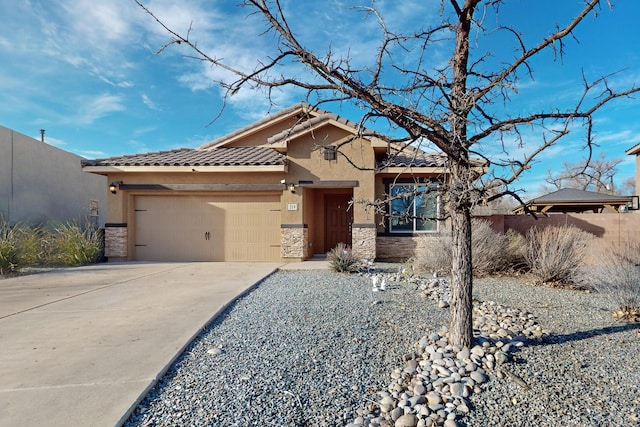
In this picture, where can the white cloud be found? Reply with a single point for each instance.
(92, 109)
(149, 103)
(91, 154)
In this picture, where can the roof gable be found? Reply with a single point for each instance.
(302, 119)
(296, 111)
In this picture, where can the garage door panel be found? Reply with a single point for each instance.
(208, 228)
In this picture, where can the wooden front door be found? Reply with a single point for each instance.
(339, 217)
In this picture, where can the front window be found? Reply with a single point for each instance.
(413, 208)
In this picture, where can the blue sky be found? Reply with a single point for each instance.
(87, 72)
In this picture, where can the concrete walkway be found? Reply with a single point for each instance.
(80, 347)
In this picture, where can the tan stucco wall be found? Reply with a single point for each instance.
(307, 163)
(118, 204)
(39, 182)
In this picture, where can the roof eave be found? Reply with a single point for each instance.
(412, 170)
(633, 150)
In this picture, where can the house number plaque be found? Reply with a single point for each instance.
(292, 206)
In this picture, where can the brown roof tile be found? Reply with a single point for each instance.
(415, 159)
(235, 156)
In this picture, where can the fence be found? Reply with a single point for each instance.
(612, 228)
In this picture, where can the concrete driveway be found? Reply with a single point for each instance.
(81, 346)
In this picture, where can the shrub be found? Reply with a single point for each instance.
(8, 248)
(71, 244)
(490, 250)
(342, 259)
(29, 241)
(555, 254)
(516, 251)
(433, 254)
(616, 274)
(19, 246)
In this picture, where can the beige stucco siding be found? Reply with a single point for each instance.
(119, 203)
(307, 163)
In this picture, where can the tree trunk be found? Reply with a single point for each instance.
(461, 305)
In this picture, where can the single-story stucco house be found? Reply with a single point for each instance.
(280, 189)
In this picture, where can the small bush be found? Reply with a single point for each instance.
(342, 259)
(491, 251)
(616, 274)
(433, 254)
(29, 241)
(19, 246)
(8, 248)
(71, 244)
(556, 254)
(516, 251)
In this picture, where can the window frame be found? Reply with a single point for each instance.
(434, 183)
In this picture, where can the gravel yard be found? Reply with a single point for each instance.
(315, 348)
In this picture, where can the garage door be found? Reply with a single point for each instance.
(207, 228)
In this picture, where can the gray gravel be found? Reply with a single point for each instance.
(311, 348)
(302, 349)
(586, 373)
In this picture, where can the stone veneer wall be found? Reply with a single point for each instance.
(400, 247)
(363, 241)
(115, 241)
(295, 242)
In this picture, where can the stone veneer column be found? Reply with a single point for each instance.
(363, 240)
(115, 240)
(294, 241)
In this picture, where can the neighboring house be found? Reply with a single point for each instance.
(277, 190)
(40, 183)
(635, 151)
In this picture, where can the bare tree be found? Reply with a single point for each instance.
(628, 186)
(586, 174)
(457, 106)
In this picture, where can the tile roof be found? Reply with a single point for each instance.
(572, 195)
(416, 159)
(235, 156)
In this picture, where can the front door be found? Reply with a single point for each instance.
(339, 217)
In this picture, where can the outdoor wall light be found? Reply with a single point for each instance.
(114, 186)
(292, 188)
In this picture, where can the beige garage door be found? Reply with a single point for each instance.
(207, 228)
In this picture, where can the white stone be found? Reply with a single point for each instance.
(433, 398)
(478, 377)
(406, 420)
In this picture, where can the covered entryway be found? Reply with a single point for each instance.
(217, 227)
